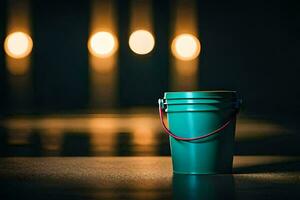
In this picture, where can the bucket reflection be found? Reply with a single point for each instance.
(208, 187)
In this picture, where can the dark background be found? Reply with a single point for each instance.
(248, 46)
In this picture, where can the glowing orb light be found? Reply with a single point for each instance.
(141, 42)
(18, 45)
(186, 47)
(102, 44)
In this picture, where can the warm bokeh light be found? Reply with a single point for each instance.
(102, 44)
(141, 42)
(186, 47)
(18, 45)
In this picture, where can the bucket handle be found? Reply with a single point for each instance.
(161, 116)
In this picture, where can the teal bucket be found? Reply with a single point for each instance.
(201, 130)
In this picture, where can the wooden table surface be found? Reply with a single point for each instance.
(254, 177)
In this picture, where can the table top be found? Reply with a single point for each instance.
(254, 177)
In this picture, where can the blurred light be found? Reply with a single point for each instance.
(18, 45)
(141, 42)
(102, 44)
(186, 47)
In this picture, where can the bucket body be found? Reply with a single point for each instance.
(192, 114)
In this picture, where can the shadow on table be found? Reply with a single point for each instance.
(124, 144)
(209, 187)
(3, 142)
(76, 144)
(281, 144)
(35, 144)
(33, 148)
(163, 144)
(286, 166)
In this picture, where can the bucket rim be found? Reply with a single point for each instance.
(205, 94)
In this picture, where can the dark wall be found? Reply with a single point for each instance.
(248, 46)
(60, 54)
(3, 81)
(241, 51)
(251, 47)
